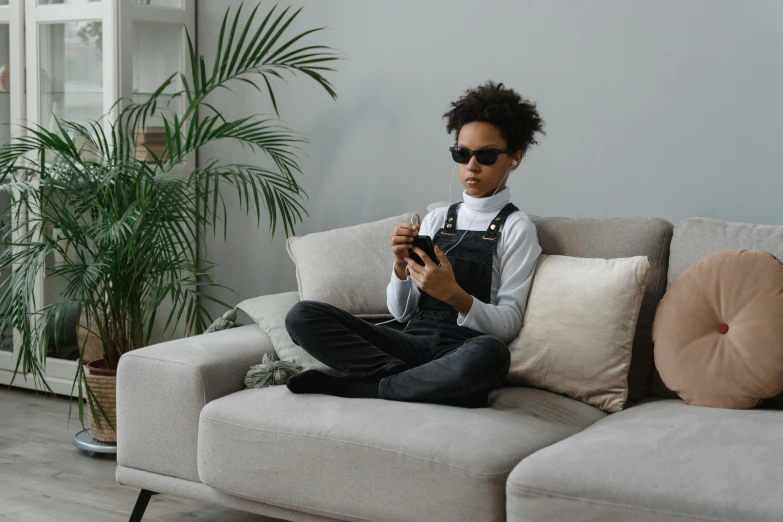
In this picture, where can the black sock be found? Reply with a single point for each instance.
(315, 381)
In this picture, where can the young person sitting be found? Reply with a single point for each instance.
(460, 313)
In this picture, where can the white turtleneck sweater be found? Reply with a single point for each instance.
(513, 266)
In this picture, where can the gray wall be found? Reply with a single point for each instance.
(653, 108)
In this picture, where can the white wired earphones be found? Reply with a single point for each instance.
(452, 179)
(415, 215)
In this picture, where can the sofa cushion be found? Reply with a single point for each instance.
(612, 238)
(374, 459)
(269, 311)
(580, 345)
(718, 331)
(694, 238)
(347, 267)
(658, 461)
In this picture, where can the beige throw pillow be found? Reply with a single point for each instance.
(269, 311)
(349, 267)
(579, 328)
(718, 331)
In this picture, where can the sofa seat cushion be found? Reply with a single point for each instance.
(373, 459)
(658, 461)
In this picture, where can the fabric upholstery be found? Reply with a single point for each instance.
(660, 461)
(203, 493)
(694, 238)
(348, 267)
(718, 331)
(162, 388)
(613, 238)
(373, 459)
(579, 328)
(269, 311)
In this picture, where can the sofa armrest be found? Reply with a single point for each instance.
(161, 390)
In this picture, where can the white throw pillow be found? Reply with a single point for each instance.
(349, 267)
(579, 328)
(269, 311)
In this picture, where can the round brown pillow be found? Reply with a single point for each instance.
(718, 330)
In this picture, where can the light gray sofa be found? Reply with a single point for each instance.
(187, 427)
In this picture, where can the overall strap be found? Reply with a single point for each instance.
(451, 221)
(494, 228)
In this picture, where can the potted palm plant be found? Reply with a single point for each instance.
(125, 219)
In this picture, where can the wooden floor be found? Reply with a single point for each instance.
(44, 478)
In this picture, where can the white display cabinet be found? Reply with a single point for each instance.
(80, 57)
(12, 111)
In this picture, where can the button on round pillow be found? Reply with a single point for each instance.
(718, 330)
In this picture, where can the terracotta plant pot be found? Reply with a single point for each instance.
(103, 383)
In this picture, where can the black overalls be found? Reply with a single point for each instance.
(432, 359)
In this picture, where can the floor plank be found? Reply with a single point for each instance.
(44, 478)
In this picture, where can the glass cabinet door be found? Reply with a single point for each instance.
(70, 75)
(68, 43)
(6, 337)
(153, 47)
(156, 55)
(70, 83)
(5, 81)
(11, 113)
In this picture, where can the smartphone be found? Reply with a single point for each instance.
(425, 243)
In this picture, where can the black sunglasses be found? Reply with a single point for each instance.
(483, 156)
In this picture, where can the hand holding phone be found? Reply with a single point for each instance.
(425, 243)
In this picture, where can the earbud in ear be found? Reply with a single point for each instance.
(514, 162)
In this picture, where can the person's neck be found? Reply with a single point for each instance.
(491, 203)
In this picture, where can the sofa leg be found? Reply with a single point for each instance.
(141, 505)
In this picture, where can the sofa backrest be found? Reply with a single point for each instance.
(613, 238)
(694, 238)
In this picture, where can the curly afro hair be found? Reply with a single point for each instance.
(516, 117)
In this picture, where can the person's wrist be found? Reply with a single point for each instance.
(452, 294)
(459, 299)
(401, 270)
